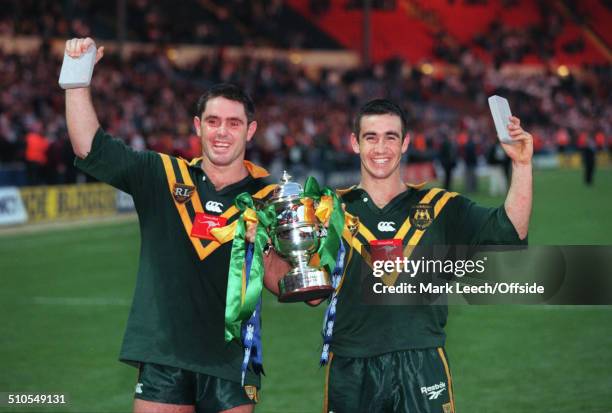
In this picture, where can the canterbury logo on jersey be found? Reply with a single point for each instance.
(433, 392)
(214, 206)
(385, 226)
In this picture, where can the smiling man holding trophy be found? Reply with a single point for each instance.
(174, 333)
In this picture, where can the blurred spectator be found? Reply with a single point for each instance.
(496, 159)
(588, 160)
(36, 154)
(470, 158)
(448, 160)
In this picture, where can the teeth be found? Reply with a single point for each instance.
(380, 161)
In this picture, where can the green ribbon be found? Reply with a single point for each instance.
(329, 246)
(240, 301)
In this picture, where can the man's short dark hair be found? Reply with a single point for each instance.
(228, 91)
(380, 107)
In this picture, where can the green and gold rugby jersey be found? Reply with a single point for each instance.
(177, 314)
(439, 218)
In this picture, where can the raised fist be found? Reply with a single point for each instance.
(75, 48)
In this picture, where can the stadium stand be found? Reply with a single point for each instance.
(410, 37)
(523, 31)
(235, 22)
(596, 15)
(303, 111)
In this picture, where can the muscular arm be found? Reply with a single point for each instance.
(519, 198)
(81, 120)
(81, 117)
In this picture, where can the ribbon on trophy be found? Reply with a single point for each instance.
(331, 250)
(330, 313)
(245, 279)
(351, 223)
(251, 331)
(329, 210)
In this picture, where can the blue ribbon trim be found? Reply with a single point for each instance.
(330, 313)
(251, 331)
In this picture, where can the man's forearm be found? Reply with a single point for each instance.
(81, 120)
(520, 197)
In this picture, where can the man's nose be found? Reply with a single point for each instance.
(380, 147)
(222, 130)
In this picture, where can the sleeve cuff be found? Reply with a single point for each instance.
(96, 144)
(508, 229)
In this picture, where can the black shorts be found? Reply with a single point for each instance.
(400, 382)
(209, 394)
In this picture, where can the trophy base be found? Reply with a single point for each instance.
(304, 284)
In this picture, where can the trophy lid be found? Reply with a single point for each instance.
(286, 188)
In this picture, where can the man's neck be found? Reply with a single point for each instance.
(382, 191)
(224, 175)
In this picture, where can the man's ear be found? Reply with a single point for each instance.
(406, 143)
(355, 143)
(197, 124)
(251, 130)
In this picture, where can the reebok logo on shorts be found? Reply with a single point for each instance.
(138, 389)
(433, 392)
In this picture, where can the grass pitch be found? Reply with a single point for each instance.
(65, 296)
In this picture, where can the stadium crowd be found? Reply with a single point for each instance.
(303, 115)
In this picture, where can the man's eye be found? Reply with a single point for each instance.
(213, 122)
(234, 124)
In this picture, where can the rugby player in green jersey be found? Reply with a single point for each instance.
(175, 330)
(392, 358)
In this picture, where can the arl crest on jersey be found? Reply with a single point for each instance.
(182, 192)
(421, 216)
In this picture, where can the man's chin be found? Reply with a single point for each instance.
(225, 160)
(380, 174)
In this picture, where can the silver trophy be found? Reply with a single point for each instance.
(296, 238)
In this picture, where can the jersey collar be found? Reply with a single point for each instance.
(254, 170)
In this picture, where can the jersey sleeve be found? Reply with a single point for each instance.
(472, 224)
(113, 162)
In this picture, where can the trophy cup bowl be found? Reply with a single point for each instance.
(296, 239)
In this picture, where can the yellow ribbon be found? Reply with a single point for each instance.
(224, 234)
(325, 208)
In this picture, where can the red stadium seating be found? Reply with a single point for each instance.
(393, 33)
(464, 21)
(402, 33)
(598, 17)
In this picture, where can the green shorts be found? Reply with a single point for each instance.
(164, 384)
(401, 382)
